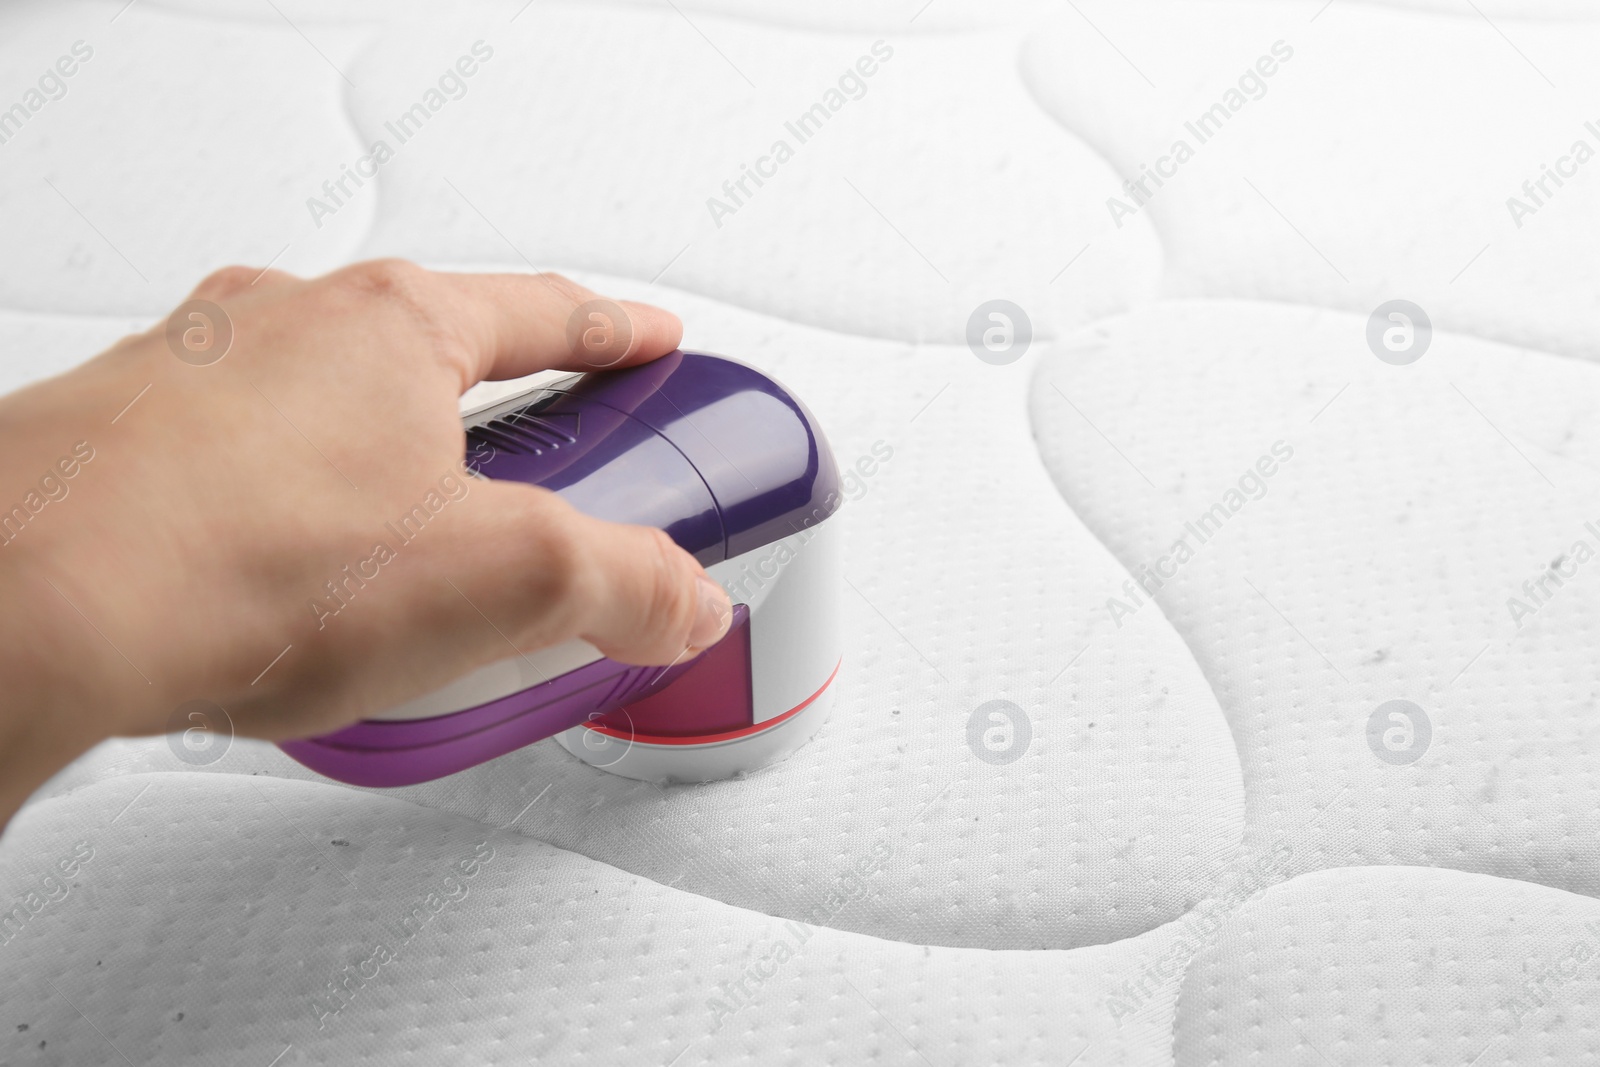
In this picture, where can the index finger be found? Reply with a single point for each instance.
(524, 323)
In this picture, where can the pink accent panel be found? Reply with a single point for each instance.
(712, 696)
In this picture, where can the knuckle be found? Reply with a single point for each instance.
(562, 576)
(226, 281)
(566, 572)
(131, 340)
(399, 280)
(566, 287)
(671, 610)
(408, 292)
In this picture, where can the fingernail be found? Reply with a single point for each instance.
(715, 613)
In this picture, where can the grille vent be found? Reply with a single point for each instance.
(522, 434)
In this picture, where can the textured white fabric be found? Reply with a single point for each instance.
(879, 224)
(176, 147)
(1118, 816)
(1376, 163)
(1397, 965)
(1378, 565)
(902, 16)
(213, 912)
(1203, 855)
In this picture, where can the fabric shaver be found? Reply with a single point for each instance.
(737, 472)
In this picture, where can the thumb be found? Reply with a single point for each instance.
(645, 599)
(628, 590)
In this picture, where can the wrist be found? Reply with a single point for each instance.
(50, 709)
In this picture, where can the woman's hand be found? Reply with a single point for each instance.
(168, 525)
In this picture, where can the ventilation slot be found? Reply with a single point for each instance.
(520, 433)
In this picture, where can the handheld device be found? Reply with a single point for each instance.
(737, 472)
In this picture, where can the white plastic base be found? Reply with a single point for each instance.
(713, 762)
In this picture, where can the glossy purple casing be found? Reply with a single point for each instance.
(715, 453)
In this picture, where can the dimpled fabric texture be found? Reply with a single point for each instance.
(1313, 789)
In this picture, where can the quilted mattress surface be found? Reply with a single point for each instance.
(1295, 640)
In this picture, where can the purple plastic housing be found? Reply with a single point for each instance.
(715, 453)
(711, 451)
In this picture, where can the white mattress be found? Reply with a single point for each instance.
(1200, 857)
